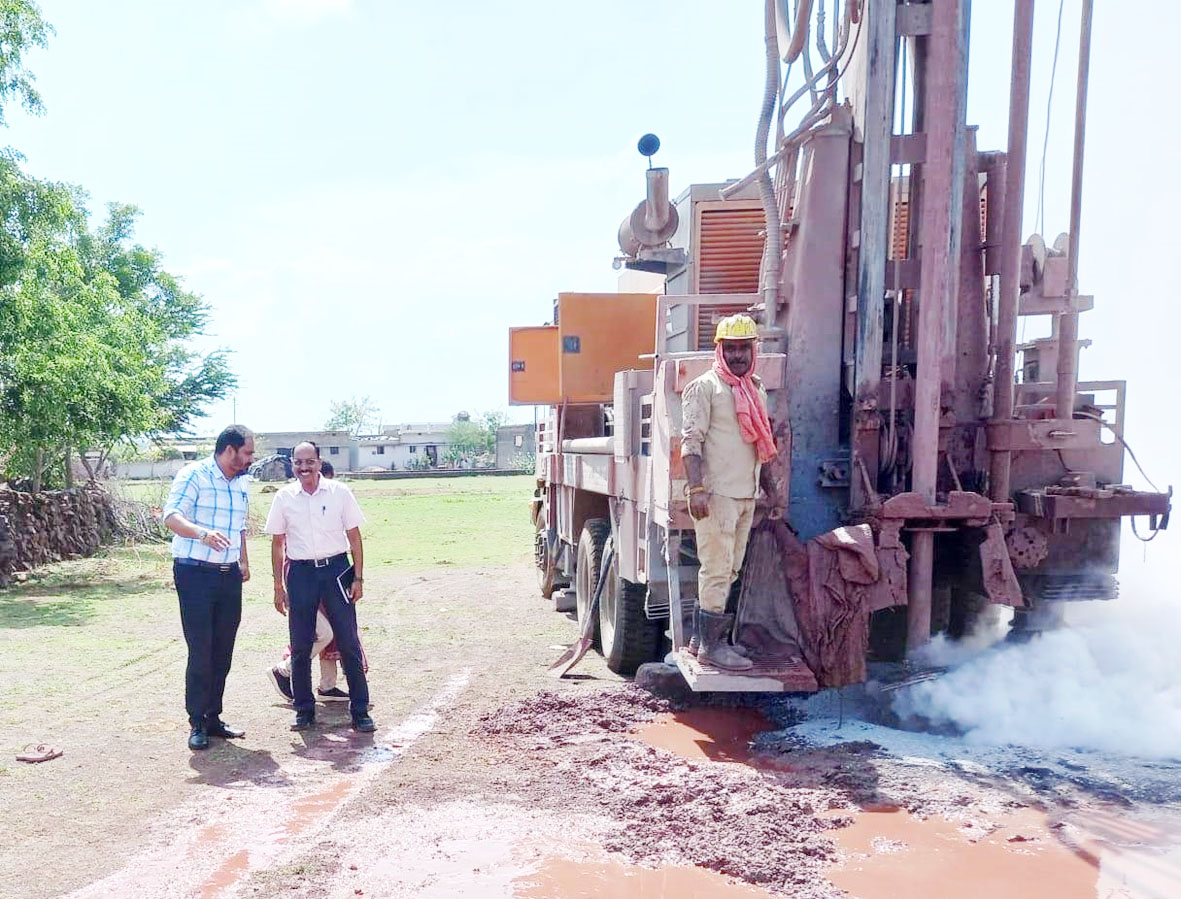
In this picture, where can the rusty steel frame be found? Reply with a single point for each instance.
(1010, 257)
(939, 238)
(881, 51)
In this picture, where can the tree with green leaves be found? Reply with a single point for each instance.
(472, 440)
(21, 29)
(95, 336)
(191, 379)
(93, 348)
(357, 416)
(73, 363)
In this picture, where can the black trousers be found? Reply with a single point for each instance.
(307, 587)
(210, 612)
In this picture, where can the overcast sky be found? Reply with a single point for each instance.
(370, 193)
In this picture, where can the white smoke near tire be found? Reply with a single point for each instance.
(1110, 680)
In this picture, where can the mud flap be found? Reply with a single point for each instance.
(1000, 581)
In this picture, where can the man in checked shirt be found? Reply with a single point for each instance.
(206, 510)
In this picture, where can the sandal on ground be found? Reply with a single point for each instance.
(38, 752)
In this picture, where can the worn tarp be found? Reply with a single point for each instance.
(766, 620)
(815, 600)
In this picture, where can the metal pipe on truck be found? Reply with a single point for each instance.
(1006, 328)
(1068, 321)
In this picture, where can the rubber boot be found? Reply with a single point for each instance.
(712, 631)
(695, 644)
(731, 605)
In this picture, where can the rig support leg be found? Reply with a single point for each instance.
(918, 608)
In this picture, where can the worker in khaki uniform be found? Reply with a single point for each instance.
(726, 439)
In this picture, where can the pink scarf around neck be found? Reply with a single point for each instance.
(753, 423)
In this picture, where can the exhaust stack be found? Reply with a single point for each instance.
(653, 223)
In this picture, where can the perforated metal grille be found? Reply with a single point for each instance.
(729, 252)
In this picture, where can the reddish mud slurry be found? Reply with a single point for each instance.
(610, 879)
(886, 851)
(729, 821)
(232, 870)
(706, 734)
(300, 816)
(891, 853)
(313, 809)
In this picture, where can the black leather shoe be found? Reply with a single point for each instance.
(199, 738)
(218, 728)
(304, 720)
(364, 724)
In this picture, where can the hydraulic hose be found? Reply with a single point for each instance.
(773, 250)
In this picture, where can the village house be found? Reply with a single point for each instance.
(402, 447)
(515, 445)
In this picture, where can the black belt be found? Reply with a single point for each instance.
(322, 563)
(223, 567)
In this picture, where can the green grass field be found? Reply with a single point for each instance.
(446, 521)
(417, 522)
(411, 525)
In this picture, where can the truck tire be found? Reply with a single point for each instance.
(547, 571)
(588, 563)
(628, 638)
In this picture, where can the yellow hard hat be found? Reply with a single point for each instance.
(737, 327)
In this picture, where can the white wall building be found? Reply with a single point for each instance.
(402, 447)
(377, 452)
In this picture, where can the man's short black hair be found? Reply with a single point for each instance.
(234, 435)
(326, 469)
(310, 443)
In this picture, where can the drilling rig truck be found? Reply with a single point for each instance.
(881, 253)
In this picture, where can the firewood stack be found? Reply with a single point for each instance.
(39, 528)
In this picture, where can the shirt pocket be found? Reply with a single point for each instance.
(238, 518)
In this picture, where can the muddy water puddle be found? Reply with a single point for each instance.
(718, 735)
(228, 875)
(608, 879)
(891, 853)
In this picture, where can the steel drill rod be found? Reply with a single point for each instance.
(1068, 321)
(1010, 287)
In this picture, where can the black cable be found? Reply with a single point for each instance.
(1124, 443)
(1136, 533)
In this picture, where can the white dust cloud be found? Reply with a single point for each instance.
(1109, 680)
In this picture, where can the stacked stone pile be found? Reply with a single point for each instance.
(38, 528)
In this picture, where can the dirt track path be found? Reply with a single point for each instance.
(486, 778)
(128, 795)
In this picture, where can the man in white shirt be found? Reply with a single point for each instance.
(314, 523)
